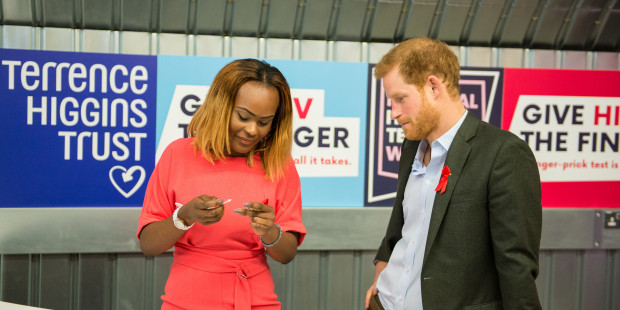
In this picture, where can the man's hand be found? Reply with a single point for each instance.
(379, 266)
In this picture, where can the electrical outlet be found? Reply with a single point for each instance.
(612, 219)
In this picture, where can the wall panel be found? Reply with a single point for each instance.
(56, 281)
(305, 266)
(613, 280)
(243, 47)
(543, 59)
(575, 60)
(129, 281)
(134, 43)
(209, 46)
(543, 282)
(338, 271)
(606, 61)
(279, 49)
(479, 57)
(58, 39)
(95, 280)
(565, 279)
(16, 278)
(172, 44)
(376, 51)
(333, 268)
(313, 50)
(511, 58)
(594, 280)
(98, 41)
(348, 51)
(17, 37)
(569, 279)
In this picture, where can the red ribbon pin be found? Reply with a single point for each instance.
(445, 172)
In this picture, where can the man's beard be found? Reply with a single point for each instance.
(425, 121)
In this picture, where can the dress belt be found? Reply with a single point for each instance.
(244, 269)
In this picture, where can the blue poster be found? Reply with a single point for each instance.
(78, 129)
(329, 107)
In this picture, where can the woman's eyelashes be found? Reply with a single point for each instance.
(241, 117)
(260, 123)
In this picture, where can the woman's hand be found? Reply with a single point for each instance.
(204, 209)
(261, 217)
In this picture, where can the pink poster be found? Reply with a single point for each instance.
(571, 121)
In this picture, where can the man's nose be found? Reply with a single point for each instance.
(394, 112)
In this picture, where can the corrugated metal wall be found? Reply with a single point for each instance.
(314, 280)
(127, 42)
(569, 279)
(575, 274)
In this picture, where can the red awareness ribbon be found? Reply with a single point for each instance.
(445, 172)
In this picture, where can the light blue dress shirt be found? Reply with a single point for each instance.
(399, 284)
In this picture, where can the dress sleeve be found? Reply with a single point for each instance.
(157, 205)
(288, 202)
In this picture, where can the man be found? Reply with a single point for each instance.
(465, 227)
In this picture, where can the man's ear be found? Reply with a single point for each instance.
(435, 85)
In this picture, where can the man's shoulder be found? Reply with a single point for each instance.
(489, 131)
(493, 140)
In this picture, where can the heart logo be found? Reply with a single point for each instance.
(127, 176)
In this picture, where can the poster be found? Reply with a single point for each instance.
(329, 117)
(481, 93)
(571, 121)
(86, 129)
(78, 129)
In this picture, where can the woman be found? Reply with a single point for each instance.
(227, 194)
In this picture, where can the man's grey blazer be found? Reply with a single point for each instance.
(484, 235)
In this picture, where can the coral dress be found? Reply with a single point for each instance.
(223, 265)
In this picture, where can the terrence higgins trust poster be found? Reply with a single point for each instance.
(77, 128)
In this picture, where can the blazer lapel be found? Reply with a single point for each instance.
(455, 160)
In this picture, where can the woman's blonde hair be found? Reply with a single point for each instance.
(419, 58)
(211, 122)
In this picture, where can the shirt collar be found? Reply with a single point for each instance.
(446, 139)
